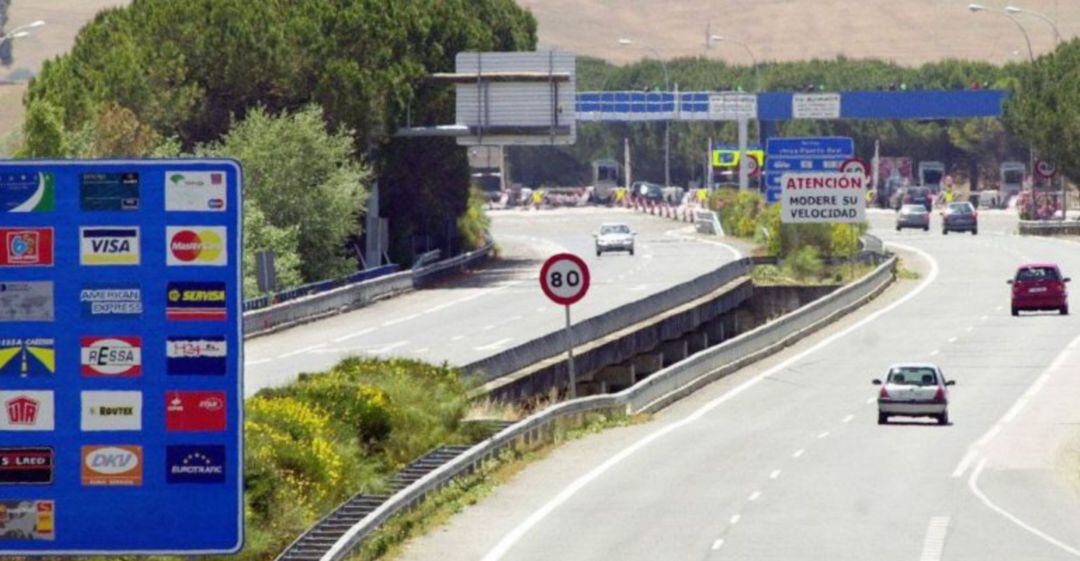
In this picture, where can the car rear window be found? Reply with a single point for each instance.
(615, 229)
(913, 209)
(913, 376)
(1037, 274)
(962, 208)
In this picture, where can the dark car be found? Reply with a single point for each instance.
(1039, 286)
(649, 191)
(918, 196)
(960, 217)
(913, 216)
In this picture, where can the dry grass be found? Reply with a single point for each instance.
(909, 32)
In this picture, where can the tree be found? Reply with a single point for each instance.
(300, 176)
(1046, 107)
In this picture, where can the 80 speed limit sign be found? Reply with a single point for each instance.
(564, 278)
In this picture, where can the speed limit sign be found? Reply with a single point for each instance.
(564, 278)
(1045, 169)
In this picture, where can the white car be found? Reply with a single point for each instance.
(914, 390)
(614, 237)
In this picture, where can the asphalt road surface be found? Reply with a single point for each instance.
(498, 306)
(784, 460)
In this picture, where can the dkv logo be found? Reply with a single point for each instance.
(112, 465)
(196, 245)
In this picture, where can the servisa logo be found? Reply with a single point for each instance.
(196, 245)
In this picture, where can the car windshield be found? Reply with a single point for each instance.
(615, 229)
(1037, 274)
(960, 208)
(913, 376)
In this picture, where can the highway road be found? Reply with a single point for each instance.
(784, 460)
(498, 306)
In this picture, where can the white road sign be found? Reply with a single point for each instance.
(822, 197)
(732, 106)
(815, 106)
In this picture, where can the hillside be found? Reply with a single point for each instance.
(909, 32)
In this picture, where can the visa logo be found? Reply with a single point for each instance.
(110, 246)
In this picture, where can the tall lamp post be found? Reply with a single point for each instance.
(20, 32)
(743, 170)
(667, 123)
(1053, 24)
(753, 59)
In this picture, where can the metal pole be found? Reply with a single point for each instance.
(709, 168)
(570, 355)
(744, 171)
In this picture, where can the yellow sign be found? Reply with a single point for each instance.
(730, 158)
(702, 194)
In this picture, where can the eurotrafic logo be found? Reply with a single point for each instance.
(196, 245)
(195, 301)
(109, 245)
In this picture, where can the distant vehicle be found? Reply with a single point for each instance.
(614, 237)
(987, 198)
(488, 181)
(1039, 286)
(649, 191)
(918, 196)
(960, 217)
(913, 216)
(931, 174)
(605, 180)
(914, 390)
(1012, 180)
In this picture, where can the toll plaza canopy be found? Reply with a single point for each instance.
(622, 106)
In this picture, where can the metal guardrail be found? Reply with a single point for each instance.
(650, 394)
(338, 295)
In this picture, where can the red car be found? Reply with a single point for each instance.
(1039, 286)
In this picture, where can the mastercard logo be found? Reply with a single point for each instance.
(204, 246)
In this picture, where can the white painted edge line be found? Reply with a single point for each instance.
(798, 453)
(847, 419)
(775, 474)
(934, 544)
(870, 400)
(679, 233)
(952, 339)
(754, 496)
(973, 484)
(494, 345)
(511, 538)
(717, 544)
(301, 351)
(735, 519)
(402, 319)
(353, 335)
(935, 352)
(823, 434)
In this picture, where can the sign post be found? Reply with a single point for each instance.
(564, 278)
(121, 394)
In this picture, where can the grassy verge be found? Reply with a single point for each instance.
(388, 542)
(786, 275)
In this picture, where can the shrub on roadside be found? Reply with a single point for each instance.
(804, 263)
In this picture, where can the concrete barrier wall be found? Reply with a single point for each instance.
(1040, 228)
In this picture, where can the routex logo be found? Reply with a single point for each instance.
(111, 356)
(195, 411)
(105, 410)
(27, 411)
(109, 245)
(26, 247)
(112, 465)
(196, 245)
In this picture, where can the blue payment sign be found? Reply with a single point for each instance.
(121, 398)
(803, 155)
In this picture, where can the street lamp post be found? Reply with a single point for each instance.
(1053, 24)
(743, 125)
(20, 32)
(667, 123)
(753, 59)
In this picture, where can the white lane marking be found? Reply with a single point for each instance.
(421, 350)
(935, 352)
(254, 362)
(754, 496)
(457, 337)
(965, 462)
(799, 453)
(735, 519)
(970, 328)
(999, 308)
(515, 318)
(716, 544)
(870, 400)
(493, 346)
(952, 339)
(640, 287)
(984, 318)
(934, 544)
(541, 310)
(848, 419)
(355, 334)
(387, 348)
(503, 546)
(775, 473)
(681, 233)
(471, 297)
(301, 351)
(973, 484)
(489, 327)
(402, 319)
(823, 435)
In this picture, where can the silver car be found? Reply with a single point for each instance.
(914, 390)
(614, 237)
(913, 216)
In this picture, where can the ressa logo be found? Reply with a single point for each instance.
(196, 245)
(26, 247)
(27, 358)
(195, 464)
(27, 411)
(196, 356)
(108, 410)
(109, 245)
(113, 357)
(112, 465)
(195, 411)
(26, 465)
(195, 301)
